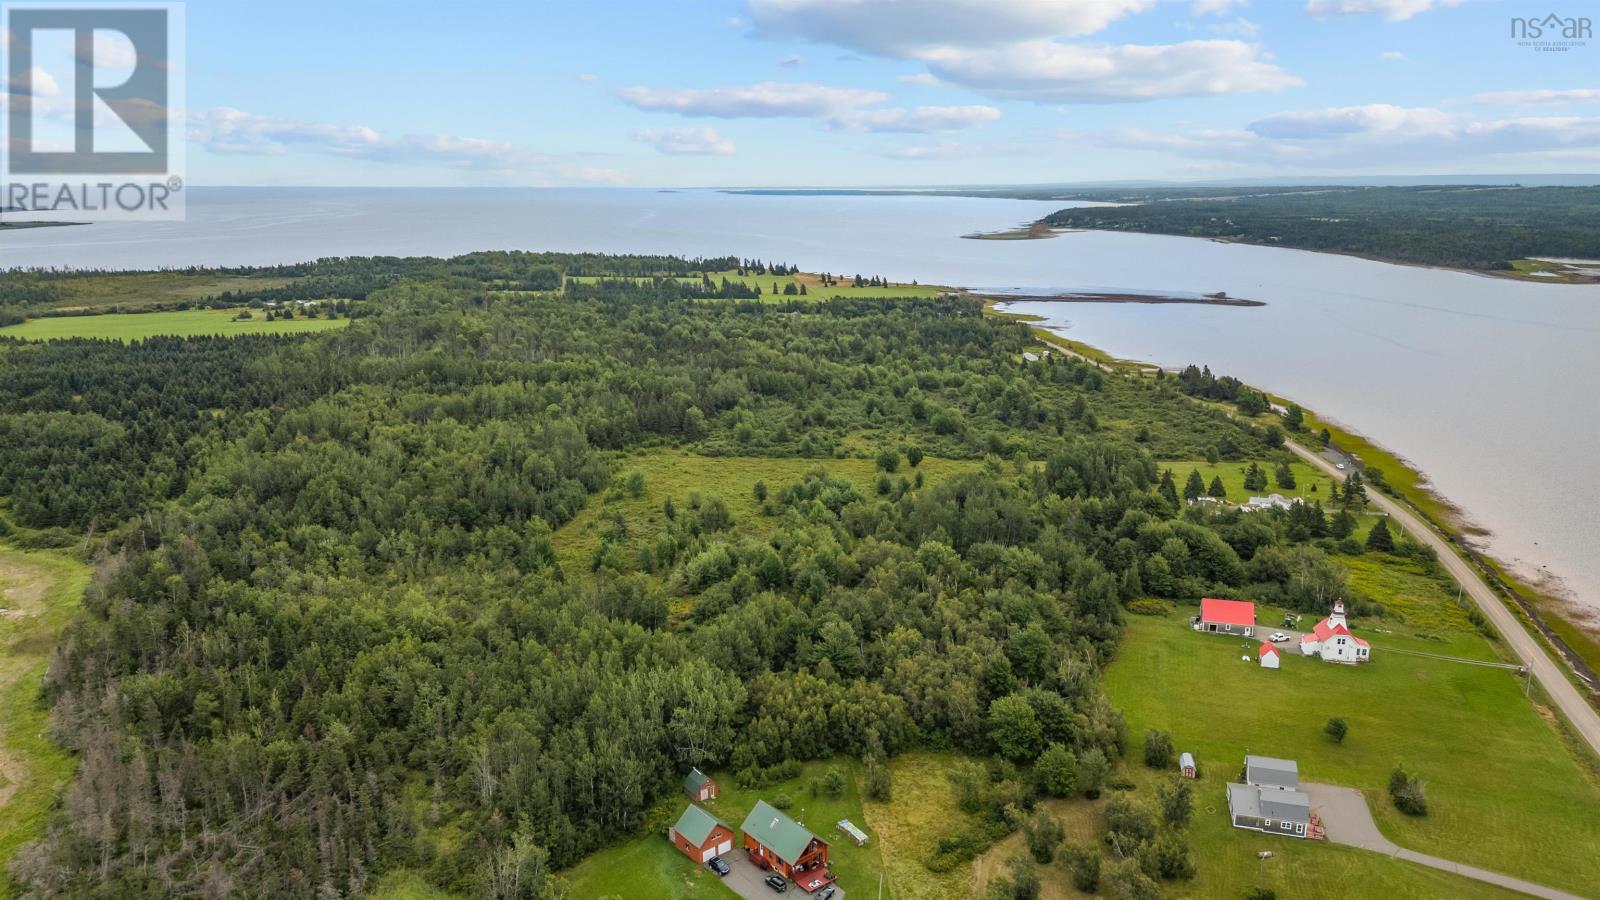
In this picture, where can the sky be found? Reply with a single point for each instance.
(879, 92)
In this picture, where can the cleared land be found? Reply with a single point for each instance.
(1504, 793)
(39, 590)
(676, 474)
(649, 866)
(127, 327)
(772, 286)
(1308, 482)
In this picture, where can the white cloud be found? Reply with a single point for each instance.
(1375, 117)
(1214, 7)
(769, 99)
(1051, 72)
(1240, 27)
(1393, 10)
(792, 61)
(694, 141)
(955, 150)
(1014, 49)
(1354, 138)
(920, 79)
(919, 120)
(1537, 97)
(907, 28)
(224, 130)
(1393, 56)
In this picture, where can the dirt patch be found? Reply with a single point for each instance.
(22, 586)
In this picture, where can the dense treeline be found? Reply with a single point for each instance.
(328, 624)
(1471, 227)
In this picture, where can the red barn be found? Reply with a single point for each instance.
(1226, 617)
(699, 786)
(700, 835)
(779, 843)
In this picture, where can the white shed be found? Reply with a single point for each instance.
(1268, 655)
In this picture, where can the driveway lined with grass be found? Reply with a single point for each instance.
(1347, 820)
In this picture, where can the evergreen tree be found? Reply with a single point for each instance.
(1379, 538)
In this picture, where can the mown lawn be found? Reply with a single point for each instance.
(40, 591)
(676, 474)
(1308, 482)
(1503, 791)
(127, 327)
(649, 866)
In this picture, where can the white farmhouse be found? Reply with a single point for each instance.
(1331, 639)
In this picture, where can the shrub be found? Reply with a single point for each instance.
(1146, 606)
(1336, 728)
(1157, 749)
(1043, 834)
(878, 784)
(1056, 771)
(1406, 791)
(1083, 864)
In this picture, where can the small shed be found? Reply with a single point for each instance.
(1186, 765)
(1268, 656)
(699, 786)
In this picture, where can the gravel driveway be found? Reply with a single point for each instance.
(1347, 820)
(746, 881)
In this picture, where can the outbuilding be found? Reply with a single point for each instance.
(1268, 656)
(1226, 617)
(699, 786)
(1186, 765)
(700, 835)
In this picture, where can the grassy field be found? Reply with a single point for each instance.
(137, 289)
(772, 286)
(1504, 792)
(649, 866)
(127, 327)
(675, 474)
(1308, 482)
(40, 592)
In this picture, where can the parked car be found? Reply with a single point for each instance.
(777, 883)
(1341, 465)
(1278, 637)
(719, 865)
(827, 892)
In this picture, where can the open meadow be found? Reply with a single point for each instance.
(127, 327)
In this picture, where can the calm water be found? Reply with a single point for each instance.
(1487, 385)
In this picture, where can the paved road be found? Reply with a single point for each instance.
(1347, 820)
(1550, 673)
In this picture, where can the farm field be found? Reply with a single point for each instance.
(127, 327)
(1504, 793)
(136, 289)
(40, 591)
(649, 866)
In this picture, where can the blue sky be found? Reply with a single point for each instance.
(855, 92)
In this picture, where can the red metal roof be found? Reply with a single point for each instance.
(1227, 612)
(1264, 649)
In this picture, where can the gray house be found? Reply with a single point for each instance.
(1270, 810)
(1270, 800)
(1271, 772)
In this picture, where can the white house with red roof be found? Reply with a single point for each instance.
(1225, 617)
(1331, 639)
(1267, 655)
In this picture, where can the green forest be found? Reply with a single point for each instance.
(1466, 226)
(333, 632)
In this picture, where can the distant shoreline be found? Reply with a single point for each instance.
(1217, 299)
